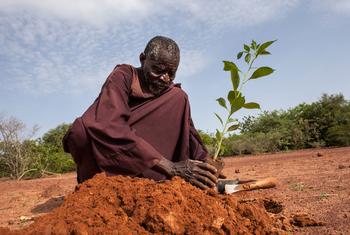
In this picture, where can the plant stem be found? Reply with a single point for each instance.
(245, 80)
(221, 138)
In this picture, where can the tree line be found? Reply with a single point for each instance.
(22, 156)
(323, 123)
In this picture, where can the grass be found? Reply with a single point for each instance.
(323, 196)
(297, 187)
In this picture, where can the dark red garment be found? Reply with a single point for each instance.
(126, 131)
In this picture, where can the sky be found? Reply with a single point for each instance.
(55, 55)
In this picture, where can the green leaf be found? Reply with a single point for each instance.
(236, 100)
(239, 55)
(230, 120)
(251, 105)
(222, 102)
(235, 79)
(246, 48)
(222, 123)
(233, 127)
(231, 96)
(237, 104)
(247, 58)
(253, 44)
(230, 66)
(264, 46)
(261, 72)
(265, 53)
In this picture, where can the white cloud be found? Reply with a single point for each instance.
(191, 62)
(115, 11)
(70, 46)
(90, 11)
(334, 6)
(239, 13)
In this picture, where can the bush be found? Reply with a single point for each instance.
(322, 123)
(338, 135)
(56, 159)
(253, 143)
(209, 141)
(21, 156)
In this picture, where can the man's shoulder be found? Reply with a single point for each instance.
(178, 91)
(125, 69)
(122, 72)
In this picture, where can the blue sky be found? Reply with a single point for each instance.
(55, 55)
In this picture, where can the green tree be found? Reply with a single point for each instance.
(53, 137)
(56, 160)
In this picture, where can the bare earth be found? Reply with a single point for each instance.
(314, 183)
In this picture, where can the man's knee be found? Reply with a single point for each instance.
(76, 141)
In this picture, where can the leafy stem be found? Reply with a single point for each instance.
(245, 75)
(235, 98)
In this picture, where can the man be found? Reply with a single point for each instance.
(140, 124)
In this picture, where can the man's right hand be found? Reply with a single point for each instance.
(197, 173)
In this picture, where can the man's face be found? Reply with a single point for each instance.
(159, 72)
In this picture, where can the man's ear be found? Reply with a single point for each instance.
(142, 58)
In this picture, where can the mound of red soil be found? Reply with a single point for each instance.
(125, 205)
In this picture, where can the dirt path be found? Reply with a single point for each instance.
(23, 200)
(312, 182)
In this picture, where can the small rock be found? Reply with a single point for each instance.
(341, 167)
(217, 223)
(237, 171)
(319, 154)
(24, 218)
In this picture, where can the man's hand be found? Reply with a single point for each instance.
(218, 164)
(197, 173)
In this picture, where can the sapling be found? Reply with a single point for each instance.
(239, 78)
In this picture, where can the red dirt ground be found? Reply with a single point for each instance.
(125, 205)
(312, 182)
(313, 185)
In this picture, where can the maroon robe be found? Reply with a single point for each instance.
(126, 131)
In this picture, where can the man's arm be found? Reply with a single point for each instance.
(116, 147)
(198, 151)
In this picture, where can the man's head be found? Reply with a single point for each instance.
(159, 63)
